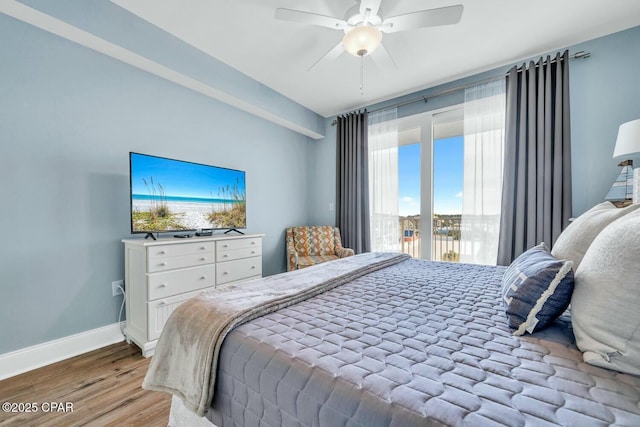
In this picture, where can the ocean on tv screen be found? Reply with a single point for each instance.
(172, 195)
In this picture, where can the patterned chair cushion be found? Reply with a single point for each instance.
(309, 245)
(314, 241)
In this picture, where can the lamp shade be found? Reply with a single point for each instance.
(628, 141)
(362, 40)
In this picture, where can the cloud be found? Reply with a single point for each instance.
(459, 194)
(407, 199)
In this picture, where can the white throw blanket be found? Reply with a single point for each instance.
(186, 356)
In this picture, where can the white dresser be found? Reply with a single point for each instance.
(162, 274)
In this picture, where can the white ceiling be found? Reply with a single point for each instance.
(492, 33)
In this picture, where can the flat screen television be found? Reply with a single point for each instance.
(169, 195)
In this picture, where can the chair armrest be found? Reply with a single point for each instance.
(292, 254)
(341, 251)
(344, 252)
(292, 261)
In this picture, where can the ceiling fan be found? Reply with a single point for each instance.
(364, 24)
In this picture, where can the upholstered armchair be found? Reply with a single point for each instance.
(311, 245)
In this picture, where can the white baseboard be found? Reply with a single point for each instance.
(37, 356)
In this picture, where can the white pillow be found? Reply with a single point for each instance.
(605, 306)
(574, 241)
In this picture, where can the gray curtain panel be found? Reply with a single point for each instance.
(352, 183)
(536, 191)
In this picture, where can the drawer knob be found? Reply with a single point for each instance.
(225, 256)
(253, 252)
(203, 247)
(164, 285)
(253, 267)
(163, 302)
(163, 264)
(253, 243)
(204, 258)
(163, 252)
(225, 273)
(225, 246)
(203, 277)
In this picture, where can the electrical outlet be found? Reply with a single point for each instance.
(115, 287)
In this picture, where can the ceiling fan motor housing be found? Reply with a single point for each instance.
(354, 17)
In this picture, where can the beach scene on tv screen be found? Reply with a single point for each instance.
(174, 195)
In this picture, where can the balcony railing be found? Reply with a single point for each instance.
(445, 239)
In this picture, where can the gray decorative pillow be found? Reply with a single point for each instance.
(605, 307)
(536, 289)
(574, 241)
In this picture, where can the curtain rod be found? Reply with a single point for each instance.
(578, 55)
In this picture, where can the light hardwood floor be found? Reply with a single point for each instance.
(103, 386)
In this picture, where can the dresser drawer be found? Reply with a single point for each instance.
(233, 244)
(233, 254)
(164, 251)
(161, 285)
(231, 271)
(170, 263)
(159, 311)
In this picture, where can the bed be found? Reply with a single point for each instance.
(408, 343)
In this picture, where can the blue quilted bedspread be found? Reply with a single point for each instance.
(418, 343)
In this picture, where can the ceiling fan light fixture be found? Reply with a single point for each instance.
(362, 40)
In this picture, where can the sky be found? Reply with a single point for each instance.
(181, 178)
(447, 177)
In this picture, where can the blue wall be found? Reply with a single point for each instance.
(605, 90)
(68, 119)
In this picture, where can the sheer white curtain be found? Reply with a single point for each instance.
(484, 118)
(383, 180)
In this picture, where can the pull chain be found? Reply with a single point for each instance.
(361, 74)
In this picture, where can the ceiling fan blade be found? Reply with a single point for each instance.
(334, 53)
(383, 59)
(310, 18)
(370, 6)
(425, 18)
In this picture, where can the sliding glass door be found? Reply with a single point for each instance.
(430, 158)
(447, 196)
(445, 179)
